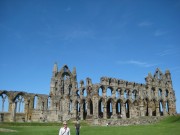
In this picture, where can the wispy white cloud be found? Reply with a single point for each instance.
(159, 33)
(167, 52)
(137, 63)
(145, 24)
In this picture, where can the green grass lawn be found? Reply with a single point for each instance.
(169, 126)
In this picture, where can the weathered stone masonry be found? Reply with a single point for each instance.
(110, 99)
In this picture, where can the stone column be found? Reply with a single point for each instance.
(81, 111)
(114, 110)
(26, 109)
(122, 93)
(141, 106)
(73, 110)
(13, 111)
(156, 92)
(150, 111)
(123, 111)
(105, 112)
(95, 107)
(164, 109)
(157, 109)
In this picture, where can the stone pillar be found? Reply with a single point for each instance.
(73, 110)
(164, 109)
(81, 111)
(122, 93)
(114, 110)
(95, 107)
(150, 111)
(141, 109)
(123, 110)
(114, 92)
(13, 111)
(26, 109)
(156, 92)
(105, 112)
(157, 109)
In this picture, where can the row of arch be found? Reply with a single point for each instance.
(125, 93)
(20, 103)
(118, 108)
(106, 109)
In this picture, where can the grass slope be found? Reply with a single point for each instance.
(169, 126)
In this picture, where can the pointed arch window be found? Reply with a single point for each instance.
(19, 104)
(4, 103)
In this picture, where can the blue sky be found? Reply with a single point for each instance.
(124, 39)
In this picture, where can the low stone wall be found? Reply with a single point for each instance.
(5, 117)
(126, 122)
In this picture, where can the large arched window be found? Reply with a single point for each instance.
(100, 108)
(35, 105)
(134, 94)
(84, 109)
(4, 104)
(161, 108)
(118, 108)
(49, 102)
(118, 94)
(127, 104)
(85, 93)
(100, 91)
(19, 104)
(91, 106)
(78, 93)
(125, 94)
(167, 106)
(160, 93)
(153, 92)
(109, 92)
(109, 108)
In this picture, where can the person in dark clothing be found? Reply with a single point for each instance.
(77, 127)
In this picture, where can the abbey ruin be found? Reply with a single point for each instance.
(110, 99)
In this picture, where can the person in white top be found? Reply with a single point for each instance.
(64, 130)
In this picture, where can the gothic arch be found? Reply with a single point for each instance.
(90, 104)
(77, 107)
(109, 91)
(146, 106)
(101, 91)
(127, 108)
(35, 102)
(119, 104)
(84, 108)
(19, 103)
(134, 94)
(109, 107)
(4, 102)
(161, 107)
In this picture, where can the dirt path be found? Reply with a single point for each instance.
(7, 130)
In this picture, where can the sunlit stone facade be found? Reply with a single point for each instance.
(110, 99)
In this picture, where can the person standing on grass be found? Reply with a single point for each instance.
(77, 127)
(64, 130)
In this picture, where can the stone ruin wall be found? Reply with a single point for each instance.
(110, 99)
